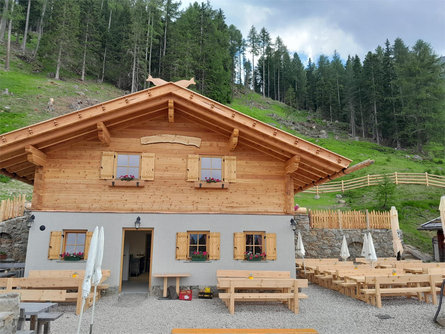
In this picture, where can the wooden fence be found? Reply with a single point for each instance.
(374, 180)
(13, 207)
(337, 219)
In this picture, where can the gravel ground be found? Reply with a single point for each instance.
(325, 310)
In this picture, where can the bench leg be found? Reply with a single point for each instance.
(232, 300)
(295, 301)
(46, 328)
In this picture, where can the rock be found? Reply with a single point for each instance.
(76, 86)
(410, 251)
(7, 108)
(417, 157)
(338, 196)
(357, 138)
(5, 92)
(407, 156)
(341, 201)
(323, 134)
(80, 93)
(317, 197)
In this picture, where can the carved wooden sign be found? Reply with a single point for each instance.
(172, 139)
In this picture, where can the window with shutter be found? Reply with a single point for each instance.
(193, 167)
(181, 245)
(107, 165)
(55, 242)
(128, 166)
(147, 166)
(214, 245)
(88, 237)
(271, 246)
(239, 245)
(230, 169)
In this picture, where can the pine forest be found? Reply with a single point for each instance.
(394, 96)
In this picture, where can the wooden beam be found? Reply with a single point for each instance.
(171, 111)
(35, 156)
(171, 138)
(292, 164)
(289, 196)
(233, 140)
(15, 176)
(103, 133)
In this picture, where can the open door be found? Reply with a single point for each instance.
(136, 260)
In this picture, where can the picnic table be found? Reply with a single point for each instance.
(174, 275)
(33, 310)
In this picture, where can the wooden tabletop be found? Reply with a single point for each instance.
(172, 275)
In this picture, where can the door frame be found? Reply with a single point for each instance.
(124, 229)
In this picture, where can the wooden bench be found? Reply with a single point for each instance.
(52, 285)
(403, 285)
(278, 290)
(243, 331)
(254, 273)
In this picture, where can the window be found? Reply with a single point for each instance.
(74, 241)
(197, 242)
(211, 168)
(128, 164)
(254, 242)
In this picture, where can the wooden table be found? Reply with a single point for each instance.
(167, 275)
(33, 309)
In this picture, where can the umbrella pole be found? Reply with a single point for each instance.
(92, 311)
(80, 316)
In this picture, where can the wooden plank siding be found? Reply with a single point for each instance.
(71, 179)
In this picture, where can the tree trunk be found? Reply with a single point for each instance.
(59, 60)
(268, 79)
(26, 27)
(147, 46)
(253, 72)
(8, 45)
(151, 48)
(362, 117)
(3, 20)
(133, 72)
(352, 119)
(376, 124)
(82, 78)
(278, 85)
(40, 28)
(264, 74)
(105, 51)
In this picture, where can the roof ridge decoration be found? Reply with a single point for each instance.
(181, 83)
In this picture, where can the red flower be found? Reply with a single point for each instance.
(204, 253)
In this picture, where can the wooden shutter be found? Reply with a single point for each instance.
(181, 245)
(239, 245)
(214, 243)
(147, 166)
(193, 167)
(55, 241)
(271, 246)
(107, 165)
(88, 236)
(230, 169)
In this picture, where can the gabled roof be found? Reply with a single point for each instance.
(24, 149)
(432, 225)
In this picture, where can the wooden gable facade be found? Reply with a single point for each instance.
(71, 160)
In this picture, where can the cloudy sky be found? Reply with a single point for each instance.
(314, 27)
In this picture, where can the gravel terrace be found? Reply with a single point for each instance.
(325, 310)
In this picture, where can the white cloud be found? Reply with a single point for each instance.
(315, 36)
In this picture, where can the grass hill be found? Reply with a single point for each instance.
(24, 98)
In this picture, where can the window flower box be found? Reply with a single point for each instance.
(211, 185)
(72, 257)
(122, 183)
(254, 257)
(199, 256)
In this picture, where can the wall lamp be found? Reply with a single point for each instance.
(137, 223)
(293, 224)
(30, 221)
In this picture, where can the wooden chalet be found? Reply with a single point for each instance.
(170, 139)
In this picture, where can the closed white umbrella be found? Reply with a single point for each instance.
(396, 242)
(442, 212)
(364, 252)
(372, 256)
(300, 249)
(86, 286)
(97, 273)
(344, 252)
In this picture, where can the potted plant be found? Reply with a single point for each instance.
(211, 180)
(199, 256)
(72, 256)
(126, 177)
(3, 255)
(249, 256)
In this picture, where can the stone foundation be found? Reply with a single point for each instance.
(326, 243)
(14, 237)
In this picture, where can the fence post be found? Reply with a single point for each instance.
(2, 210)
(396, 179)
(368, 181)
(426, 178)
(317, 190)
(342, 186)
(340, 223)
(367, 219)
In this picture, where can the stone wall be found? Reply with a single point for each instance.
(326, 243)
(14, 237)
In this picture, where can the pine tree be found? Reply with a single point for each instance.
(253, 42)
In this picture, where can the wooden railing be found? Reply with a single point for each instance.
(337, 219)
(374, 180)
(12, 207)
